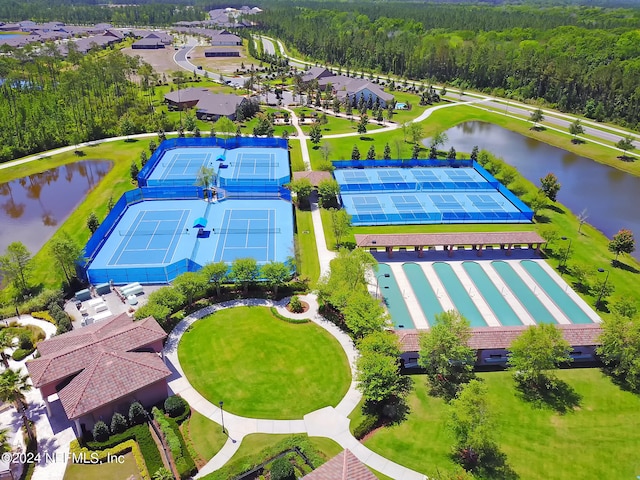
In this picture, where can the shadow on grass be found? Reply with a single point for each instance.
(487, 462)
(577, 141)
(366, 139)
(538, 128)
(624, 266)
(540, 218)
(626, 158)
(553, 393)
(555, 208)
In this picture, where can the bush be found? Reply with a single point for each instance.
(275, 313)
(296, 305)
(368, 423)
(43, 316)
(42, 301)
(25, 342)
(184, 462)
(137, 414)
(281, 469)
(118, 423)
(174, 406)
(21, 354)
(100, 431)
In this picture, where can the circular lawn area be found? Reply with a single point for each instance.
(263, 367)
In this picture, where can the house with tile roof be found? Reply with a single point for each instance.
(209, 106)
(344, 466)
(101, 369)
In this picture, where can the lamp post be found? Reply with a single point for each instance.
(604, 285)
(563, 264)
(385, 275)
(222, 414)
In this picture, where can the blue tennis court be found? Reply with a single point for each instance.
(254, 168)
(247, 233)
(180, 166)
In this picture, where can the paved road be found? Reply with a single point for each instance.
(603, 132)
(181, 60)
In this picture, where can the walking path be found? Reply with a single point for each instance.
(331, 422)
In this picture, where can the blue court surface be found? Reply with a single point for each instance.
(154, 241)
(386, 196)
(179, 166)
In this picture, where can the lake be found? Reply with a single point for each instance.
(609, 195)
(32, 208)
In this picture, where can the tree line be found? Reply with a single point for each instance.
(578, 60)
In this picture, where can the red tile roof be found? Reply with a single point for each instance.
(314, 177)
(344, 466)
(71, 352)
(438, 239)
(501, 337)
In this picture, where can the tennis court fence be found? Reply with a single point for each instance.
(121, 275)
(403, 163)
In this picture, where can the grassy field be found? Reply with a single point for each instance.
(598, 439)
(103, 471)
(263, 367)
(307, 253)
(335, 125)
(295, 154)
(205, 435)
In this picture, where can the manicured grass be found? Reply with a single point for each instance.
(306, 253)
(599, 439)
(103, 471)
(205, 435)
(295, 154)
(263, 367)
(334, 125)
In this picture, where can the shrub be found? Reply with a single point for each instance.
(21, 354)
(42, 301)
(118, 423)
(121, 448)
(25, 342)
(44, 315)
(296, 305)
(366, 425)
(137, 414)
(275, 313)
(174, 406)
(281, 469)
(100, 431)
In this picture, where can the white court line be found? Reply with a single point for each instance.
(175, 233)
(158, 222)
(519, 309)
(476, 296)
(117, 262)
(436, 286)
(269, 235)
(415, 311)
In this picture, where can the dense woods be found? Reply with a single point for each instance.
(584, 60)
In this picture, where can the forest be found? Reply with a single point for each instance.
(580, 60)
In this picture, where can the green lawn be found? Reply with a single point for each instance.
(599, 439)
(295, 154)
(263, 367)
(306, 251)
(104, 471)
(205, 435)
(335, 125)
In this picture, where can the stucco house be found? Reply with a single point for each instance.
(101, 369)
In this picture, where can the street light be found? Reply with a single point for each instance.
(566, 256)
(604, 285)
(222, 414)
(385, 275)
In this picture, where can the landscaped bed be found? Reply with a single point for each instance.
(598, 439)
(264, 367)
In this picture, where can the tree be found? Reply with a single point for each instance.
(152, 146)
(474, 428)
(92, 222)
(16, 266)
(137, 414)
(315, 134)
(190, 284)
(13, 386)
(6, 341)
(582, 218)
(170, 297)
(415, 151)
(622, 242)
(144, 158)
(386, 154)
(325, 150)
(159, 312)
(620, 349)
(206, 178)
(550, 186)
(341, 224)
(379, 378)
(189, 122)
(100, 431)
(216, 273)
(363, 315)
(371, 154)
(281, 469)
(539, 349)
(67, 253)
(474, 153)
(328, 191)
(275, 274)
(362, 124)
(576, 129)
(452, 154)
(438, 140)
(244, 271)
(225, 125)
(302, 188)
(626, 144)
(445, 354)
(416, 132)
(536, 117)
(346, 275)
(134, 170)
(355, 153)
(118, 423)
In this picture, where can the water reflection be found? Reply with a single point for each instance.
(32, 207)
(609, 195)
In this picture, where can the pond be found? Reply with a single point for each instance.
(32, 208)
(609, 195)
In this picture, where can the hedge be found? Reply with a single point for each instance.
(366, 425)
(75, 450)
(244, 464)
(275, 313)
(141, 434)
(184, 462)
(21, 354)
(44, 315)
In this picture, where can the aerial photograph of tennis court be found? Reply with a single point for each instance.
(425, 195)
(169, 226)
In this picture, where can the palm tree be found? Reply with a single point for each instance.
(13, 386)
(4, 440)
